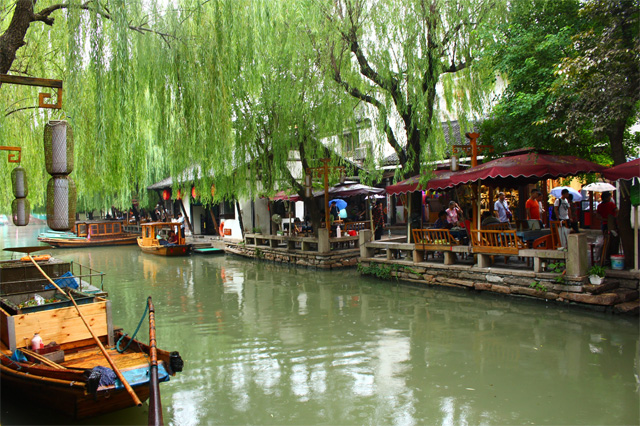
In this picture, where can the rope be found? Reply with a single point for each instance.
(134, 333)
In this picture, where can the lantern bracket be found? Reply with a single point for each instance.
(39, 82)
(12, 157)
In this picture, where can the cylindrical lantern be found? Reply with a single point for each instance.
(20, 211)
(58, 148)
(213, 190)
(166, 195)
(179, 196)
(19, 181)
(61, 203)
(454, 163)
(193, 192)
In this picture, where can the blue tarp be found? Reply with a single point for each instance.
(65, 280)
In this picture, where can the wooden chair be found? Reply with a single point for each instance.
(551, 241)
(434, 240)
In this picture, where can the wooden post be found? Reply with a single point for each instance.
(155, 403)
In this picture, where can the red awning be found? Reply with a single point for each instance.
(628, 170)
(412, 184)
(283, 196)
(526, 168)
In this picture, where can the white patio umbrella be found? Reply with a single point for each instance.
(599, 187)
(557, 192)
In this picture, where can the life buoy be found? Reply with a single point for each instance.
(221, 229)
(36, 258)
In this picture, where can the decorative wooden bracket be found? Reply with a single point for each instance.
(11, 158)
(40, 82)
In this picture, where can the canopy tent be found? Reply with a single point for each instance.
(350, 189)
(626, 171)
(525, 168)
(412, 184)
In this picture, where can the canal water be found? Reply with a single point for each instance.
(265, 344)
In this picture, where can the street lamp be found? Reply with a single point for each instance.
(322, 172)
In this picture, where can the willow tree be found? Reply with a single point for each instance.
(145, 90)
(411, 62)
(285, 109)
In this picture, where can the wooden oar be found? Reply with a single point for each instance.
(155, 404)
(126, 384)
(42, 359)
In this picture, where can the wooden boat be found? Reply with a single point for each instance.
(66, 376)
(89, 234)
(208, 250)
(149, 242)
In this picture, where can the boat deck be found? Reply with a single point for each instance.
(93, 357)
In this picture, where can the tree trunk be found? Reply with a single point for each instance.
(624, 209)
(13, 37)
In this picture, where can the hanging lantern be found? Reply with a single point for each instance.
(58, 148)
(179, 196)
(19, 182)
(20, 211)
(213, 189)
(307, 186)
(166, 195)
(61, 203)
(194, 195)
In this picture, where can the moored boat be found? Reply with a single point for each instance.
(90, 234)
(163, 239)
(88, 367)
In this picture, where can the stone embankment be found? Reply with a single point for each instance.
(332, 260)
(618, 293)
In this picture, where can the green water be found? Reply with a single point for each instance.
(269, 345)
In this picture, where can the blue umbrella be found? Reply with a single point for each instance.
(340, 203)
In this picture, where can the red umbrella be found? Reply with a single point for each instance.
(526, 168)
(627, 170)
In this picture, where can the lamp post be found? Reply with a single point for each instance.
(322, 172)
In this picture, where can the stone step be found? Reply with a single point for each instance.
(628, 308)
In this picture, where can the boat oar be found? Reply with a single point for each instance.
(128, 387)
(155, 404)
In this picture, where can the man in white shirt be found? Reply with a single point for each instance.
(562, 209)
(501, 208)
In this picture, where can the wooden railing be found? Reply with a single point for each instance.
(496, 241)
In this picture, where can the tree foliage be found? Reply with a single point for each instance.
(393, 56)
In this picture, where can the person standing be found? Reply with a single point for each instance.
(562, 210)
(454, 213)
(333, 210)
(501, 208)
(606, 210)
(533, 210)
(181, 222)
(378, 220)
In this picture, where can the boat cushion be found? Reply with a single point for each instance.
(139, 376)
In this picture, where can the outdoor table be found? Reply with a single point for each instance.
(529, 237)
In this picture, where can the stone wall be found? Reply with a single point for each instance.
(332, 260)
(615, 294)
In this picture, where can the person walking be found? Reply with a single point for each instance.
(562, 210)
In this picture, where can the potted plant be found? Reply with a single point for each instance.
(596, 274)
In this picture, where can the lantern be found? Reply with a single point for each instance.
(179, 196)
(61, 203)
(20, 211)
(19, 182)
(58, 148)
(193, 192)
(213, 190)
(307, 186)
(166, 195)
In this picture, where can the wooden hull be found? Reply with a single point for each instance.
(158, 250)
(65, 390)
(71, 400)
(94, 242)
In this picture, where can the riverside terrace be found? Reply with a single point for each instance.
(513, 271)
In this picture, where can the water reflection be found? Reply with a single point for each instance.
(265, 344)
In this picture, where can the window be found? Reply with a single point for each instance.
(350, 141)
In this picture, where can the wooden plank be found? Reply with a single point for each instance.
(61, 325)
(30, 81)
